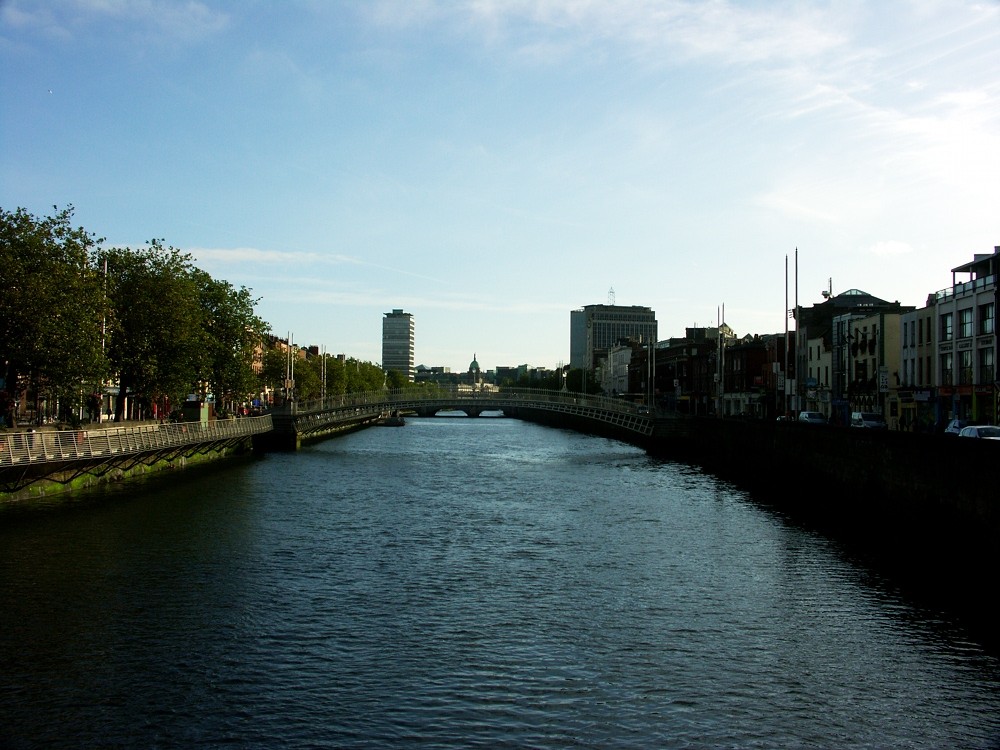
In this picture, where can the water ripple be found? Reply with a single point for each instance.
(466, 583)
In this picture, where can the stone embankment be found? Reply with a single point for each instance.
(923, 509)
(46, 461)
(898, 476)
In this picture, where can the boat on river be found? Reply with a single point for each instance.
(394, 419)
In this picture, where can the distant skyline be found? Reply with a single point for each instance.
(491, 165)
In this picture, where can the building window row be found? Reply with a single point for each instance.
(987, 314)
(946, 327)
(966, 322)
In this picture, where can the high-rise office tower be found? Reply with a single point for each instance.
(596, 328)
(397, 343)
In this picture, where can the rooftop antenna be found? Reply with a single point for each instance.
(611, 296)
(827, 294)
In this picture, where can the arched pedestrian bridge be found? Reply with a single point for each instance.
(298, 421)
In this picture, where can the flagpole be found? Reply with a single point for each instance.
(798, 358)
(784, 385)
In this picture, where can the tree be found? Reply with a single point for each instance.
(156, 336)
(581, 380)
(396, 379)
(51, 306)
(275, 367)
(308, 379)
(336, 376)
(231, 331)
(363, 376)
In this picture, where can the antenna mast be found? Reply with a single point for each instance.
(611, 296)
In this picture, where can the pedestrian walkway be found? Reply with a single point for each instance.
(45, 445)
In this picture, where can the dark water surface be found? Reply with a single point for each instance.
(464, 583)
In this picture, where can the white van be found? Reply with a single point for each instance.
(871, 420)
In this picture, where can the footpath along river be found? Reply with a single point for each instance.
(464, 583)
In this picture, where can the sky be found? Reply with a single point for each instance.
(491, 165)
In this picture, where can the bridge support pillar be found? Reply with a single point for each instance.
(277, 441)
(284, 437)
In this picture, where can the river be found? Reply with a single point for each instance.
(464, 583)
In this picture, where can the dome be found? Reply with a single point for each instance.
(474, 365)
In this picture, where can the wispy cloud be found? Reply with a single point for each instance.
(652, 31)
(254, 255)
(289, 260)
(164, 20)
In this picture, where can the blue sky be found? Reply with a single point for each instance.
(489, 166)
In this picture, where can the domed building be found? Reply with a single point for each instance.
(475, 374)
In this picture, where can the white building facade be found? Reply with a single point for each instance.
(966, 341)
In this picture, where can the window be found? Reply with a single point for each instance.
(965, 367)
(929, 332)
(920, 371)
(965, 323)
(920, 330)
(946, 327)
(947, 376)
(987, 313)
(985, 366)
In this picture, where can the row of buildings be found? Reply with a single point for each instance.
(851, 352)
(918, 367)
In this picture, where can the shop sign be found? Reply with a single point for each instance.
(883, 379)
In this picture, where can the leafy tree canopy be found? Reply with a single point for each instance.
(52, 303)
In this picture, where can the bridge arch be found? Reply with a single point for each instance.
(591, 413)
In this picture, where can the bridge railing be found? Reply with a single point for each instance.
(46, 446)
(458, 395)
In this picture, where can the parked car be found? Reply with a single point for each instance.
(955, 426)
(812, 417)
(986, 431)
(869, 420)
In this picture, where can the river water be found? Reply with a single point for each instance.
(464, 583)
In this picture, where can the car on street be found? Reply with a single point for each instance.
(812, 417)
(985, 431)
(869, 420)
(955, 426)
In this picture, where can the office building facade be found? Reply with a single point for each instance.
(397, 343)
(595, 329)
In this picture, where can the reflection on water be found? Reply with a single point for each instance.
(464, 582)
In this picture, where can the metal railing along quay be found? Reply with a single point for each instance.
(45, 446)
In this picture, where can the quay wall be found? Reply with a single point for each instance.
(71, 477)
(577, 423)
(899, 476)
(921, 508)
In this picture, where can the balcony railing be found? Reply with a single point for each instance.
(959, 290)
